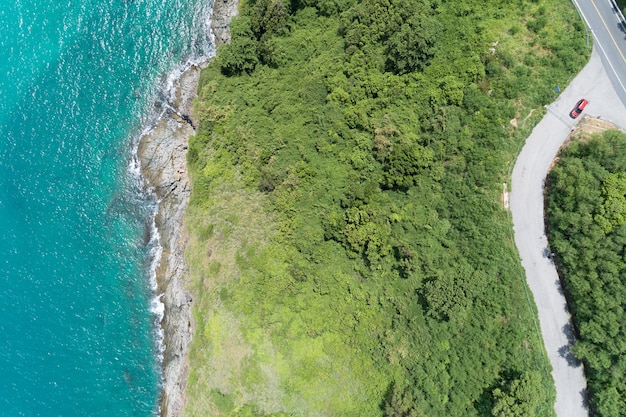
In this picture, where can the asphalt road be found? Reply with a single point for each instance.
(600, 82)
(609, 36)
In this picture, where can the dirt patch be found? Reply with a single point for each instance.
(516, 121)
(590, 125)
(586, 127)
(529, 114)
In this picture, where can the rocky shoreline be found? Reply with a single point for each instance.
(162, 156)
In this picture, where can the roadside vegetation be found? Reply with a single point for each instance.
(586, 211)
(349, 252)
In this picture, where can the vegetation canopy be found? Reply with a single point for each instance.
(349, 252)
(586, 208)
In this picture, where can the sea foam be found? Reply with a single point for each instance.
(164, 93)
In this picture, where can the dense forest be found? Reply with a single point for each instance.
(349, 252)
(586, 211)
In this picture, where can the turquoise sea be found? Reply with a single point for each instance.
(78, 82)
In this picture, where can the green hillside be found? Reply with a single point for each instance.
(349, 252)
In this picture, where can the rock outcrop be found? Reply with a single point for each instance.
(223, 12)
(162, 155)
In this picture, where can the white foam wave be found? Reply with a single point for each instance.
(153, 245)
(202, 49)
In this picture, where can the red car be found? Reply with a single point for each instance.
(580, 106)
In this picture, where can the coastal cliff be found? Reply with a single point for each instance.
(162, 155)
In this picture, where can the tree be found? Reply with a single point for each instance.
(609, 403)
(269, 17)
(521, 398)
(447, 297)
(405, 162)
(411, 48)
(612, 212)
(401, 403)
(240, 55)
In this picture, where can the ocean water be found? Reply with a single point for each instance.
(78, 82)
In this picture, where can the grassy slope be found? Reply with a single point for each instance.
(331, 294)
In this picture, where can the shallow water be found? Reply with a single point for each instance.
(78, 80)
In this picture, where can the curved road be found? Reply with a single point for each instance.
(600, 82)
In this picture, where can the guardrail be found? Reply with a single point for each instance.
(617, 10)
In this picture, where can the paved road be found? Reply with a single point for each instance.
(607, 96)
(609, 34)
